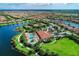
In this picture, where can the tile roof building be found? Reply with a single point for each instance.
(43, 34)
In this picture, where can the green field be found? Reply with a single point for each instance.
(63, 47)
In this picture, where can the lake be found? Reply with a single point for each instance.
(6, 34)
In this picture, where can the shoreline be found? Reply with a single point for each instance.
(73, 20)
(5, 24)
(20, 48)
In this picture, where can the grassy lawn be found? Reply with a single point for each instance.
(3, 24)
(63, 47)
(10, 23)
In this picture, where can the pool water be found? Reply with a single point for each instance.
(31, 36)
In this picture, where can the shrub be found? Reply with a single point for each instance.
(42, 52)
(75, 38)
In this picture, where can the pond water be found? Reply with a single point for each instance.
(6, 34)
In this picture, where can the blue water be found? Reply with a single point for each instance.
(6, 33)
(76, 25)
(31, 35)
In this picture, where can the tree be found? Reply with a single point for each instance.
(42, 52)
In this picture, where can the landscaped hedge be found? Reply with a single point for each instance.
(43, 52)
(23, 40)
(75, 38)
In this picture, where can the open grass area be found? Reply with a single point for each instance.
(63, 47)
(5, 24)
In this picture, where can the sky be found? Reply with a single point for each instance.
(27, 6)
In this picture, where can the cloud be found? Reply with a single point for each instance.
(8, 6)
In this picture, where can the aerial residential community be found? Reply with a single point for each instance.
(39, 33)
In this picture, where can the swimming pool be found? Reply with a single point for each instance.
(31, 36)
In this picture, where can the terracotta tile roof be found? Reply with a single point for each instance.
(43, 34)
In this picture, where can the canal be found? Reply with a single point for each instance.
(70, 23)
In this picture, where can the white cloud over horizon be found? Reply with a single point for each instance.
(38, 6)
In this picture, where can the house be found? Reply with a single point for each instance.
(2, 19)
(50, 28)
